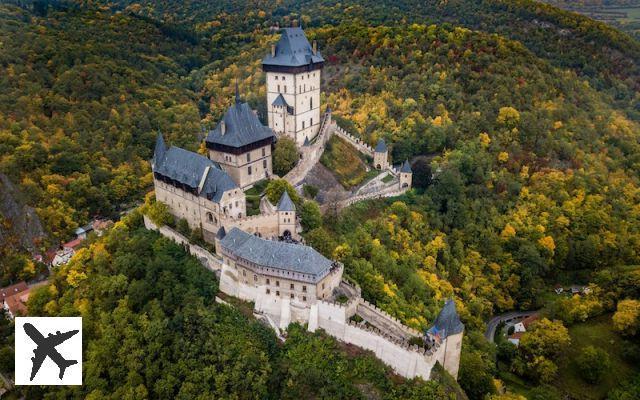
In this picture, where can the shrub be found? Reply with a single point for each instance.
(592, 363)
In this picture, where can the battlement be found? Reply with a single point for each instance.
(358, 143)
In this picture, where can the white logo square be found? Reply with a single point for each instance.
(48, 350)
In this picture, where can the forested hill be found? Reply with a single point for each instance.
(609, 58)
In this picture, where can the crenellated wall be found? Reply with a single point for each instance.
(361, 146)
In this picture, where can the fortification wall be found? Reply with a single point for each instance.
(354, 141)
(385, 322)
(407, 360)
(211, 261)
(311, 154)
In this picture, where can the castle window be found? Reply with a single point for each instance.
(311, 104)
(292, 295)
(248, 157)
(291, 286)
(278, 293)
(249, 170)
(278, 88)
(304, 298)
(311, 122)
(302, 124)
(268, 291)
(255, 278)
(304, 288)
(278, 283)
(236, 203)
(323, 285)
(264, 164)
(268, 281)
(264, 152)
(244, 273)
(276, 77)
(285, 88)
(283, 78)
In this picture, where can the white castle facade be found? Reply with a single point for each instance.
(258, 257)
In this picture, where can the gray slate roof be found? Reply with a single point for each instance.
(406, 167)
(293, 50)
(278, 255)
(242, 127)
(280, 101)
(381, 147)
(448, 321)
(188, 168)
(285, 203)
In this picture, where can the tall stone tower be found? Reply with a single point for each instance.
(293, 70)
(448, 330)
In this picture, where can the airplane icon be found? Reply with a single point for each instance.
(47, 348)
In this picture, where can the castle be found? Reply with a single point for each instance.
(259, 258)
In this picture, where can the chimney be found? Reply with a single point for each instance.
(223, 128)
(315, 47)
(273, 50)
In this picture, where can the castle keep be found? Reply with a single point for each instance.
(258, 258)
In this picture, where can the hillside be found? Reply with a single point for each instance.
(527, 114)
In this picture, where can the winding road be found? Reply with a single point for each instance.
(493, 323)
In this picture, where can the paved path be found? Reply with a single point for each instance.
(495, 321)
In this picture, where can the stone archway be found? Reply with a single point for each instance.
(378, 166)
(404, 185)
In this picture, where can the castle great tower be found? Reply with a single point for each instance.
(293, 70)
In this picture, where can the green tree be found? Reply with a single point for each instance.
(310, 215)
(276, 187)
(285, 156)
(593, 362)
(626, 319)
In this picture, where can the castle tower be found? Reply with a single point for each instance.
(241, 145)
(448, 329)
(381, 156)
(406, 175)
(293, 70)
(286, 216)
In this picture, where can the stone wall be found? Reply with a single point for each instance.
(311, 154)
(354, 141)
(407, 360)
(385, 322)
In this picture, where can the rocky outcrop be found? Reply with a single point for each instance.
(19, 220)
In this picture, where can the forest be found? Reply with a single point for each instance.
(522, 124)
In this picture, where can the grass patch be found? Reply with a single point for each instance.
(387, 178)
(345, 162)
(254, 195)
(595, 332)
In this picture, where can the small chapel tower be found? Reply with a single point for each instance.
(381, 156)
(405, 175)
(286, 216)
(293, 69)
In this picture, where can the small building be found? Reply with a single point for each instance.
(14, 299)
(522, 325)
(381, 156)
(406, 175)
(241, 145)
(83, 231)
(515, 338)
(293, 71)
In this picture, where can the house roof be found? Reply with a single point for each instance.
(193, 170)
(285, 203)
(242, 127)
(516, 335)
(278, 255)
(529, 320)
(381, 147)
(12, 290)
(447, 322)
(293, 50)
(17, 304)
(406, 167)
(72, 244)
